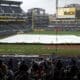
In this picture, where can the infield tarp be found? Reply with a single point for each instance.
(44, 39)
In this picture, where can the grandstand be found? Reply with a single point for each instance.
(12, 18)
(66, 21)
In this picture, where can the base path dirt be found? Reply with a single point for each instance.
(63, 46)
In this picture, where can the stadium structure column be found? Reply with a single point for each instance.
(32, 20)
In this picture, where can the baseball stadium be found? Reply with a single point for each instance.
(36, 45)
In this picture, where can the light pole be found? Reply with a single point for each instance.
(56, 27)
(32, 20)
(56, 8)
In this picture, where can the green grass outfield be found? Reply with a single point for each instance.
(58, 32)
(29, 49)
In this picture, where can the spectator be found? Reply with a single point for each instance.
(57, 70)
(10, 64)
(22, 73)
(74, 70)
(3, 70)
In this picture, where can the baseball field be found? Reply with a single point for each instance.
(61, 49)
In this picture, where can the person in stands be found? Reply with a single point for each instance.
(22, 73)
(3, 70)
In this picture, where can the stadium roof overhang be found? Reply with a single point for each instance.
(10, 2)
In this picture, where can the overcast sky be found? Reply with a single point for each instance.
(48, 5)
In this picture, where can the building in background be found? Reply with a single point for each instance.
(38, 19)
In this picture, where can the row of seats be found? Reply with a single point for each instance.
(10, 9)
(13, 28)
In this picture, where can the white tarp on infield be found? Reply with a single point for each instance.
(46, 39)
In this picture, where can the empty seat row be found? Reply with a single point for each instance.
(0, 9)
(6, 9)
(16, 9)
(7, 28)
(10, 9)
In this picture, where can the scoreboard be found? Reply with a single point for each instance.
(66, 12)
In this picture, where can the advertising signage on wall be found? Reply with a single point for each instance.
(66, 13)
